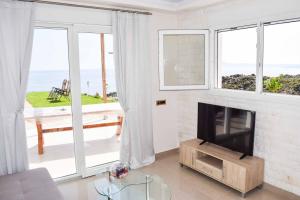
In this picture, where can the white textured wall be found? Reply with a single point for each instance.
(277, 138)
(165, 131)
(72, 15)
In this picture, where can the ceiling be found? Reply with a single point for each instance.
(167, 5)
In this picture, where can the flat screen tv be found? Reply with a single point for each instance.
(231, 128)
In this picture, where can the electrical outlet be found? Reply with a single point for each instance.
(161, 102)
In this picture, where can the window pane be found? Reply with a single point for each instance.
(184, 60)
(237, 59)
(101, 143)
(110, 69)
(282, 58)
(48, 115)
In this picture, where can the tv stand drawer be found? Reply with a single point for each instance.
(208, 169)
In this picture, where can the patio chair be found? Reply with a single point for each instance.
(56, 93)
(53, 94)
(66, 91)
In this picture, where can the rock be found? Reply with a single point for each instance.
(290, 83)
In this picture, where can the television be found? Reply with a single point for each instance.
(228, 127)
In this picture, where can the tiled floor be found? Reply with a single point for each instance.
(185, 184)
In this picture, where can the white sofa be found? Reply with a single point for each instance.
(35, 184)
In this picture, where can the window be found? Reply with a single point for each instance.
(281, 70)
(237, 59)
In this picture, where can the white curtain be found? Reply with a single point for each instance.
(133, 77)
(16, 32)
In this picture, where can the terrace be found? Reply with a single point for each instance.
(101, 144)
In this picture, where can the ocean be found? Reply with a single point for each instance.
(91, 80)
(268, 69)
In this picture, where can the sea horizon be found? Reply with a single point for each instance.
(91, 80)
(271, 70)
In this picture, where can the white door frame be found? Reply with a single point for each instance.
(75, 95)
(74, 70)
(97, 29)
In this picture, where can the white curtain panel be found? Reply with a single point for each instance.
(16, 32)
(133, 77)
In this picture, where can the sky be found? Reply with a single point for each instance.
(237, 50)
(281, 45)
(50, 50)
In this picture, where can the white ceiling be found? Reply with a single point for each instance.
(167, 5)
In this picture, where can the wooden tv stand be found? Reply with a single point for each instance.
(223, 165)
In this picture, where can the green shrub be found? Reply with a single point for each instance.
(273, 84)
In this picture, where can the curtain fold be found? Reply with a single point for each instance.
(16, 35)
(133, 81)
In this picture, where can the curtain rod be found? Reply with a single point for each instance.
(86, 6)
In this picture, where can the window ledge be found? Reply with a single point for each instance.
(283, 99)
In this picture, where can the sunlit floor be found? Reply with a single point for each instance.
(185, 184)
(101, 145)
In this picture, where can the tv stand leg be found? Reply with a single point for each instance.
(243, 156)
(243, 195)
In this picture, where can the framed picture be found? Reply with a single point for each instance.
(183, 59)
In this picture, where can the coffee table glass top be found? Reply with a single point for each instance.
(135, 186)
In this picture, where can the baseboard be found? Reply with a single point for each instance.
(164, 154)
(279, 191)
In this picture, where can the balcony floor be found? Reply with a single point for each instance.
(101, 146)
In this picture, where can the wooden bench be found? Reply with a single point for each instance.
(41, 131)
(38, 114)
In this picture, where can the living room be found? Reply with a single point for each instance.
(136, 95)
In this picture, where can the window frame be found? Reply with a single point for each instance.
(218, 83)
(161, 33)
(259, 64)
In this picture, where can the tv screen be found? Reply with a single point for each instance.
(228, 127)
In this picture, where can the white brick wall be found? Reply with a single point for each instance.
(277, 134)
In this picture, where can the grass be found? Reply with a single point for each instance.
(39, 100)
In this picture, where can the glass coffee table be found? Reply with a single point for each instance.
(135, 186)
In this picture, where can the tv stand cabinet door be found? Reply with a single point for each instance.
(234, 176)
(186, 155)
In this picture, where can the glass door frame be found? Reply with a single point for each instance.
(76, 106)
(74, 102)
(95, 29)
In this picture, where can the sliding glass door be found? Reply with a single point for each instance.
(101, 116)
(48, 113)
(73, 118)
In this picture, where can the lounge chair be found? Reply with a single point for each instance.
(56, 93)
